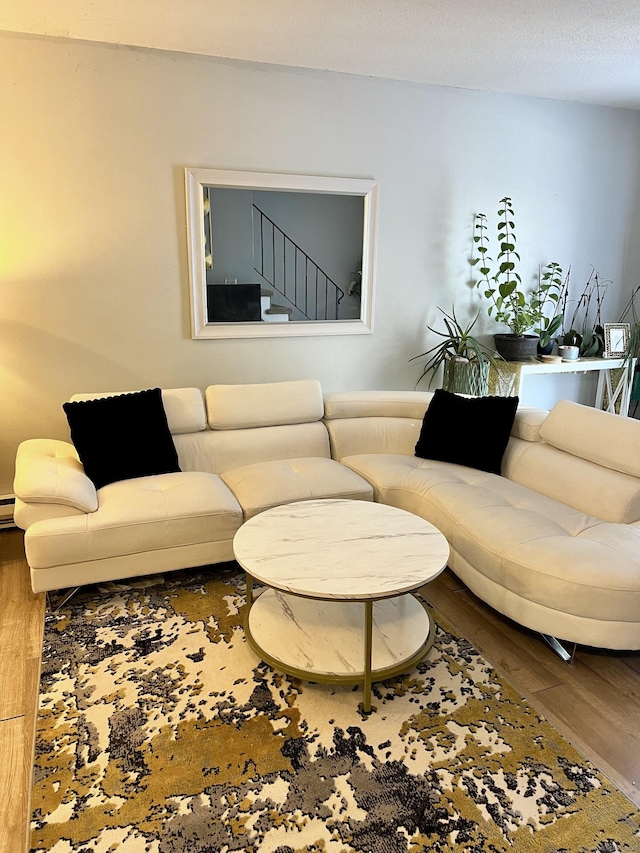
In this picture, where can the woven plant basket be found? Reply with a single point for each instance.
(466, 377)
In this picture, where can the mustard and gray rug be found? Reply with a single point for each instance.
(159, 731)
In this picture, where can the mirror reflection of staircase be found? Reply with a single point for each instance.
(272, 313)
(288, 285)
(302, 288)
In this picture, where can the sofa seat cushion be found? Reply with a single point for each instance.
(267, 484)
(139, 515)
(534, 546)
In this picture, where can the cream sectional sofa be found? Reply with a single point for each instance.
(241, 448)
(553, 543)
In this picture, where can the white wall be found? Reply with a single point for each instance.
(93, 269)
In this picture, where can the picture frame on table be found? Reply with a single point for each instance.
(616, 339)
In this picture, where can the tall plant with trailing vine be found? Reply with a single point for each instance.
(510, 304)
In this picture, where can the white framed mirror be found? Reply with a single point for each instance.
(275, 255)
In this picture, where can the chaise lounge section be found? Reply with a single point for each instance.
(553, 543)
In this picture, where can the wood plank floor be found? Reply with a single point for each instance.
(594, 702)
(21, 621)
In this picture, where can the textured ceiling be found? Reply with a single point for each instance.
(581, 50)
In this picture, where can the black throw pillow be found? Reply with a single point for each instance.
(472, 431)
(121, 437)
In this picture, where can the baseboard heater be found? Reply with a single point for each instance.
(7, 506)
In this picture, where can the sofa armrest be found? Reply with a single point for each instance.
(48, 471)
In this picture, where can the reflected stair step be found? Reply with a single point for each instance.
(279, 309)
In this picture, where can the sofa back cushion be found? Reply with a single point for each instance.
(374, 421)
(263, 405)
(587, 458)
(583, 485)
(527, 423)
(603, 438)
(184, 407)
(390, 421)
(185, 410)
(353, 436)
(264, 422)
(221, 450)
(377, 404)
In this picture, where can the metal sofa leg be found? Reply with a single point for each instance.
(55, 603)
(559, 649)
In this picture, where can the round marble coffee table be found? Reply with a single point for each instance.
(340, 575)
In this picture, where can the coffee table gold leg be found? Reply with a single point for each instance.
(368, 644)
(249, 580)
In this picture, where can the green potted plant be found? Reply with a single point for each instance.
(585, 329)
(632, 354)
(550, 293)
(465, 361)
(509, 302)
(633, 345)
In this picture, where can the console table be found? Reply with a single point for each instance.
(612, 394)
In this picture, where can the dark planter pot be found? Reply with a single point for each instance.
(517, 347)
(545, 350)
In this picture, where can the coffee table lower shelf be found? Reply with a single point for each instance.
(335, 641)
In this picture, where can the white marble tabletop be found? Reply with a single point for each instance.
(341, 549)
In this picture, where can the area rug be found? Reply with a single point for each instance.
(159, 731)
